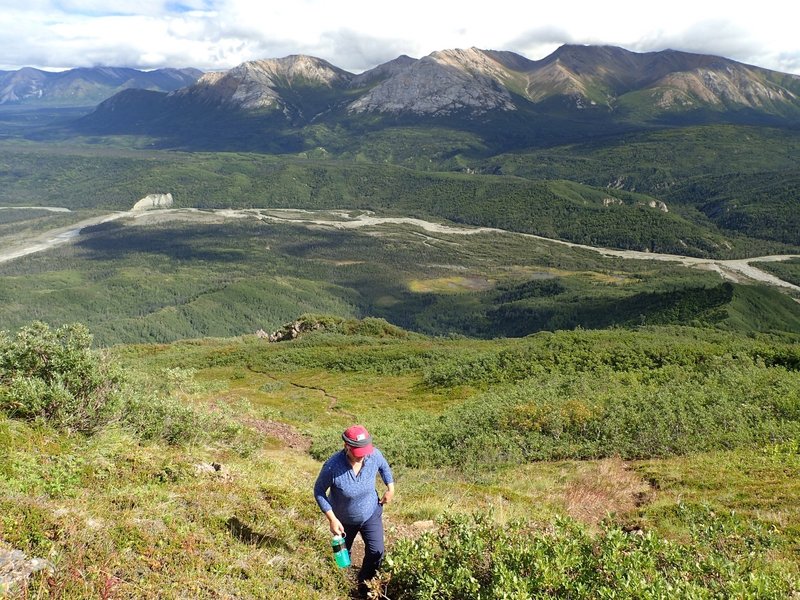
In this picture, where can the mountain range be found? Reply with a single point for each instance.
(508, 100)
(85, 86)
(478, 81)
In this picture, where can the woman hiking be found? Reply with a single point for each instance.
(346, 494)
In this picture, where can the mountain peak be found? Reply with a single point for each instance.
(383, 70)
(296, 68)
(257, 84)
(443, 83)
(472, 60)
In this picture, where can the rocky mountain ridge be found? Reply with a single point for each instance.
(257, 84)
(477, 81)
(295, 103)
(441, 83)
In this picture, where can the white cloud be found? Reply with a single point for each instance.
(357, 34)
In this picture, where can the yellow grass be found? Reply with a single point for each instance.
(454, 284)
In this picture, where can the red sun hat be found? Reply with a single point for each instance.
(358, 440)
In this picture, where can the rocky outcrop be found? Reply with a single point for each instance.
(383, 71)
(16, 568)
(722, 86)
(154, 201)
(293, 330)
(610, 201)
(659, 205)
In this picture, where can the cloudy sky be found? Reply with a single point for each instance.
(356, 35)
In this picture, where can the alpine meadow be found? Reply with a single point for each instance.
(563, 295)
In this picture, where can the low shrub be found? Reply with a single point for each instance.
(650, 413)
(158, 418)
(55, 376)
(470, 557)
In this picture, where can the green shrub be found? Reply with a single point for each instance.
(637, 413)
(471, 557)
(55, 376)
(159, 418)
(154, 416)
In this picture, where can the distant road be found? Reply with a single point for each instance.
(733, 270)
(50, 208)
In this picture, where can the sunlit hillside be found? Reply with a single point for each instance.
(581, 464)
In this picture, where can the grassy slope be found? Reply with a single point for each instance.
(136, 519)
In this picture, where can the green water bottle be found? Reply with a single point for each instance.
(340, 552)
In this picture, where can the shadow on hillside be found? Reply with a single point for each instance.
(197, 242)
(244, 533)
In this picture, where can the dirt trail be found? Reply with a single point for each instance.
(333, 401)
(733, 270)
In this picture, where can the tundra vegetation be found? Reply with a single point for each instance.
(661, 462)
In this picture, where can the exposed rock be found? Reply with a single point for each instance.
(207, 467)
(291, 331)
(618, 183)
(16, 568)
(659, 205)
(610, 201)
(258, 84)
(214, 468)
(383, 71)
(440, 84)
(423, 526)
(153, 201)
(719, 85)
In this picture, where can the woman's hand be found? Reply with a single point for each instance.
(335, 524)
(388, 494)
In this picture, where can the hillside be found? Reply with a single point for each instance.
(740, 178)
(621, 462)
(594, 214)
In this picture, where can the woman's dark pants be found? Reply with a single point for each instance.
(371, 532)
